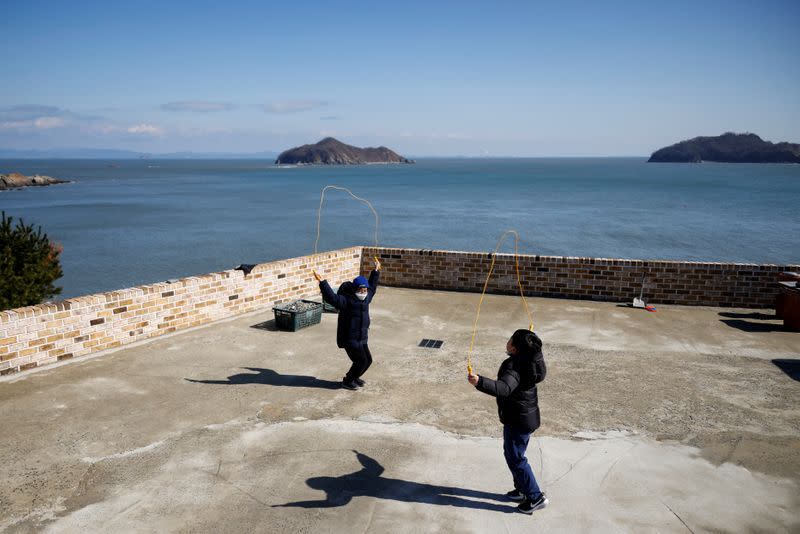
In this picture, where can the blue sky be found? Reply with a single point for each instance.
(424, 78)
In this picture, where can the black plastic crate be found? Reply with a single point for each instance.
(293, 320)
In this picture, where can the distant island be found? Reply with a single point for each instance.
(16, 180)
(728, 148)
(330, 151)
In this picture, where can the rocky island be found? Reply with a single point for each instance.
(330, 151)
(728, 148)
(16, 180)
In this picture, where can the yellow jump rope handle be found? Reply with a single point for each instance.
(469, 369)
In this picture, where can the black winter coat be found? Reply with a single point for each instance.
(515, 389)
(353, 313)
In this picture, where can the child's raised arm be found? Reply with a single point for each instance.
(337, 301)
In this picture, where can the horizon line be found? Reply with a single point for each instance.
(267, 155)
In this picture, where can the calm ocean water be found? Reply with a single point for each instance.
(131, 222)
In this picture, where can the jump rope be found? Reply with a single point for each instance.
(486, 285)
(488, 276)
(364, 200)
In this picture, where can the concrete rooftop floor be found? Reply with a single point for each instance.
(673, 421)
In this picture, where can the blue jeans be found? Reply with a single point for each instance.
(514, 444)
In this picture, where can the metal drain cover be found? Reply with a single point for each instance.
(431, 343)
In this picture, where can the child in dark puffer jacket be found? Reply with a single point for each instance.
(518, 408)
(352, 301)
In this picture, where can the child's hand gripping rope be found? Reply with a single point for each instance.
(473, 379)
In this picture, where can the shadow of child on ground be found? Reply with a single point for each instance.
(271, 378)
(367, 482)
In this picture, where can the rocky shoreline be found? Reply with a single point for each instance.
(15, 180)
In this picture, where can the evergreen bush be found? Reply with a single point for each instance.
(29, 265)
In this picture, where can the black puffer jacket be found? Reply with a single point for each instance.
(353, 313)
(515, 389)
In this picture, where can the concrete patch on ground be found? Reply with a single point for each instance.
(338, 475)
(123, 454)
(98, 387)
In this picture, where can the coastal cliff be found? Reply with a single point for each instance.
(728, 148)
(16, 180)
(330, 151)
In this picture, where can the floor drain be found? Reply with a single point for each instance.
(431, 343)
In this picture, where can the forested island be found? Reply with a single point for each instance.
(728, 148)
(331, 151)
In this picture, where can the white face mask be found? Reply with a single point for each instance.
(361, 296)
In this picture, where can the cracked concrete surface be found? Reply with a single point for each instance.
(668, 422)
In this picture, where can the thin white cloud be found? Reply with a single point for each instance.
(31, 117)
(293, 106)
(45, 123)
(29, 112)
(15, 125)
(39, 123)
(197, 106)
(146, 129)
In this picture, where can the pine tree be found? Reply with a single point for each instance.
(29, 265)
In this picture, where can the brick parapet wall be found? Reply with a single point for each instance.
(43, 334)
(606, 279)
(46, 333)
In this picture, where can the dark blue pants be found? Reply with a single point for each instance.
(514, 444)
(361, 358)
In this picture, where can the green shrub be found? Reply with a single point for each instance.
(29, 265)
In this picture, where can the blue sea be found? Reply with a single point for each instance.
(130, 222)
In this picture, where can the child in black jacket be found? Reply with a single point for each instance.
(518, 407)
(353, 301)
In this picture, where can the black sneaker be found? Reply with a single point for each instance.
(528, 506)
(352, 386)
(515, 495)
(360, 383)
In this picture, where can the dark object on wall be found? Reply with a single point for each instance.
(245, 268)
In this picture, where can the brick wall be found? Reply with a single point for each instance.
(43, 334)
(668, 282)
